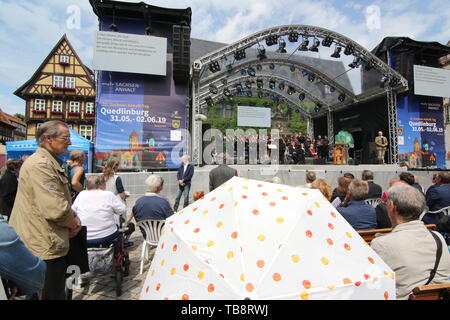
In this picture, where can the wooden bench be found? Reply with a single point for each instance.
(431, 292)
(369, 235)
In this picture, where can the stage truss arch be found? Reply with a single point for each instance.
(228, 66)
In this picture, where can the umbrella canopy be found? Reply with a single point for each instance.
(258, 240)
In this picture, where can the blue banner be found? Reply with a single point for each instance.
(140, 118)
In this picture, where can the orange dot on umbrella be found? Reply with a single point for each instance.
(285, 198)
(255, 212)
(171, 222)
(185, 297)
(276, 276)
(175, 247)
(195, 209)
(213, 198)
(272, 204)
(210, 287)
(333, 214)
(306, 284)
(146, 289)
(386, 295)
(234, 235)
(158, 286)
(366, 276)
(187, 221)
(330, 241)
(309, 212)
(309, 233)
(371, 260)
(196, 230)
(304, 194)
(347, 281)
(244, 197)
(330, 225)
(162, 245)
(186, 267)
(249, 287)
(347, 247)
(221, 206)
(357, 283)
(260, 185)
(260, 263)
(265, 194)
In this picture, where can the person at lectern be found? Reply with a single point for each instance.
(381, 143)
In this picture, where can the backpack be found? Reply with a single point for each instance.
(67, 170)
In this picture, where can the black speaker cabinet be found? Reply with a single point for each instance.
(181, 53)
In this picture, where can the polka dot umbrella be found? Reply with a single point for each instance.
(259, 240)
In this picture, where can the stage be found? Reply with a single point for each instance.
(293, 175)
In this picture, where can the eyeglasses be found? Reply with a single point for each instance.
(67, 138)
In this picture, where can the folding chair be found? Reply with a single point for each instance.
(2, 291)
(445, 211)
(373, 201)
(152, 229)
(431, 292)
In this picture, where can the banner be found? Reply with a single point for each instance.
(140, 118)
(420, 131)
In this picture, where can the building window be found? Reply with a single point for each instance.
(89, 108)
(58, 81)
(70, 82)
(64, 59)
(39, 105)
(86, 132)
(74, 107)
(57, 106)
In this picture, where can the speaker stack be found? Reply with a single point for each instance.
(181, 53)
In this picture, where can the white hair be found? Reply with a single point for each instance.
(153, 183)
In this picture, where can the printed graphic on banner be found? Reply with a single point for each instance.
(421, 138)
(137, 114)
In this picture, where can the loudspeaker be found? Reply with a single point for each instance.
(181, 53)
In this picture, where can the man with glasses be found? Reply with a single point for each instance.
(42, 214)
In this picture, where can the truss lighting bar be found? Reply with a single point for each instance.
(349, 49)
(293, 36)
(315, 46)
(271, 40)
(336, 54)
(304, 45)
(327, 42)
(239, 54)
(214, 66)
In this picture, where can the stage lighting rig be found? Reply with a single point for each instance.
(261, 53)
(336, 54)
(248, 84)
(356, 63)
(292, 68)
(290, 91)
(251, 71)
(341, 97)
(293, 36)
(213, 89)
(349, 49)
(260, 83)
(315, 45)
(394, 81)
(214, 66)
(304, 73)
(332, 89)
(209, 101)
(317, 108)
(327, 42)
(272, 84)
(239, 88)
(271, 40)
(281, 86)
(301, 96)
(272, 66)
(383, 80)
(227, 92)
(239, 54)
(282, 46)
(243, 72)
(311, 78)
(304, 44)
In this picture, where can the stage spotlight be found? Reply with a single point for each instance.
(282, 46)
(261, 53)
(292, 68)
(332, 89)
(315, 45)
(272, 84)
(213, 89)
(258, 67)
(356, 63)
(327, 42)
(243, 72)
(281, 86)
(394, 82)
(251, 71)
(113, 27)
(336, 53)
(271, 40)
(214, 66)
(301, 96)
(272, 66)
(259, 84)
(341, 97)
(293, 36)
(311, 78)
(227, 92)
(248, 84)
(239, 88)
(304, 45)
(383, 80)
(260, 94)
(239, 54)
(304, 73)
(317, 108)
(209, 101)
(349, 49)
(290, 91)
(224, 82)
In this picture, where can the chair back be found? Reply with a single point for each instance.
(445, 211)
(373, 201)
(2, 291)
(431, 292)
(153, 229)
(369, 235)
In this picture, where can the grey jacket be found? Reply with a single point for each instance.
(220, 175)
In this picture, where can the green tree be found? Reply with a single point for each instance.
(20, 116)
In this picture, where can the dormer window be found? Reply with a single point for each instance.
(64, 59)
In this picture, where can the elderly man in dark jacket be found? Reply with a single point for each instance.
(221, 174)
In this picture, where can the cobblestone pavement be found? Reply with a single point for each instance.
(104, 287)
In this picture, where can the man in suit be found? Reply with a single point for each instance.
(374, 189)
(8, 186)
(184, 177)
(438, 198)
(221, 174)
(381, 143)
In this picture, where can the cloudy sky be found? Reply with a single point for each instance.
(30, 28)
